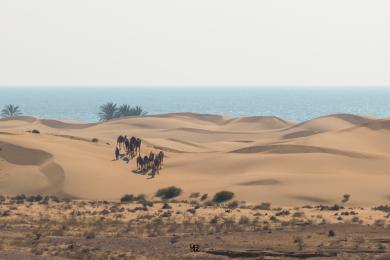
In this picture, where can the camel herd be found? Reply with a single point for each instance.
(149, 163)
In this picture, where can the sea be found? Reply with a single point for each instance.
(291, 103)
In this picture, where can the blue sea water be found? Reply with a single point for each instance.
(293, 103)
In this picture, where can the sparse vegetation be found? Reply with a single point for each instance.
(194, 195)
(127, 198)
(233, 205)
(346, 198)
(223, 196)
(263, 206)
(384, 208)
(244, 220)
(168, 193)
(127, 224)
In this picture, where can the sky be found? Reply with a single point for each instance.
(194, 43)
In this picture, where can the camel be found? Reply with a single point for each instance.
(138, 145)
(120, 141)
(161, 158)
(140, 162)
(127, 144)
(157, 164)
(146, 163)
(151, 159)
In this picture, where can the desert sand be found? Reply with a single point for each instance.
(260, 159)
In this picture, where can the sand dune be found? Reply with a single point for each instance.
(22, 156)
(27, 119)
(63, 125)
(261, 159)
(333, 122)
(296, 149)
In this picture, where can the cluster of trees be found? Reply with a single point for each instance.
(111, 110)
(107, 111)
(10, 111)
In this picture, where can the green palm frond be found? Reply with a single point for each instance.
(108, 111)
(11, 111)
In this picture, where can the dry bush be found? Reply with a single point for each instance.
(194, 195)
(263, 206)
(244, 220)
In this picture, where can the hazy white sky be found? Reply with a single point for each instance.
(197, 42)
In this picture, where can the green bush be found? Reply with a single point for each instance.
(169, 192)
(223, 196)
(127, 198)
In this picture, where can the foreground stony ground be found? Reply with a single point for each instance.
(39, 227)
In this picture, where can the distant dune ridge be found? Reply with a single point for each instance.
(259, 158)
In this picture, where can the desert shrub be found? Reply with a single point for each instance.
(194, 195)
(282, 213)
(204, 197)
(166, 214)
(127, 198)
(223, 196)
(380, 222)
(243, 220)
(263, 206)
(335, 207)
(355, 219)
(33, 198)
(94, 140)
(140, 197)
(345, 198)
(208, 203)
(298, 214)
(35, 131)
(55, 199)
(194, 202)
(384, 208)
(331, 233)
(90, 234)
(169, 192)
(192, 210)
(19, 199)
(166, 206)
(214, 220)
(233, 205)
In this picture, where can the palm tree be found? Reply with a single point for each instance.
(11, 111)
(138, 111)
(108, 111)
(126, 110)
